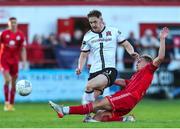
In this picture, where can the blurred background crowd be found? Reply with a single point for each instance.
(42, 51)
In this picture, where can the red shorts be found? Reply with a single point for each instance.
(122, 102)
(12, 68)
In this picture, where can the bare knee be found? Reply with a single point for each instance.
(89, 87)
(7, 77)
(14, 81)
(7, 80)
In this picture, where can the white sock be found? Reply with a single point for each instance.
(66, 110)
(88, 97)
(84, 101)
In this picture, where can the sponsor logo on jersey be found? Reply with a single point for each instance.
(18, 37)
(119, 32)
(101, 40)
(7, 36)
(108, 33)
(11, 43)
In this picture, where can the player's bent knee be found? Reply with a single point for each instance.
(7, 80)
(93, 86)
(89, 87)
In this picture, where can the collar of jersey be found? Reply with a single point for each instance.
(99, 32)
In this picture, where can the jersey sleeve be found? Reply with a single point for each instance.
(120, 37)
(85, 47)
(1, 37)
(151, 67)
(23, 40)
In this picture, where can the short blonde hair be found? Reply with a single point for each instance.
(147, 58)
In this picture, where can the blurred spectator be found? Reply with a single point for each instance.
(77, 37)
(35, 52)
(49, 45)
(149, 43)
(66, 56)
(51, 40)
(128, 60)
(175, 63)
(64, 40)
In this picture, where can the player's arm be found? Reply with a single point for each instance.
(120, 82)
(1, 40)
(24, 54)
(85, 49)
(82, 60)
(129, 48)
(161, 54)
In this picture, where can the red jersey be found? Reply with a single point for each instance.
(11, 45)
(140, 81)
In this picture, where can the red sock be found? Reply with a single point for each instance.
(6, 93)
(82, 109)
(13, 91)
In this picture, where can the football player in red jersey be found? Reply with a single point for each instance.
(12, 44)
(114, 107)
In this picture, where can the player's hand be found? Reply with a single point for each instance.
(78, 71)
(135, 55)
(164, 33)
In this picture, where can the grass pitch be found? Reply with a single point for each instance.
(148, 113)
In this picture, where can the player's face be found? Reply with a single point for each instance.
(12, 24)
(96, 23)
(140, 63)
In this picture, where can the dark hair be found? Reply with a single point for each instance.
(12, 18)
(147, 58)
(94, 13)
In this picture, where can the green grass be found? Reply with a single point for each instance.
(148, 113)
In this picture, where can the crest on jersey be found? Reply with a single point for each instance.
(7, 36)
(18, 37)
(119, 32)
(108, 33)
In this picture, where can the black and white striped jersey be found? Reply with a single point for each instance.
(102, 47)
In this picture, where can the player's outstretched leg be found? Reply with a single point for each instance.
(65, 110)
(57, 108)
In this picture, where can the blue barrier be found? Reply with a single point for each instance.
(51, 85)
